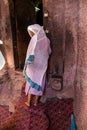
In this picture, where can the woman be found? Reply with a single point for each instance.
(36, 63)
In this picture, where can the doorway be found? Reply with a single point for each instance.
(25, 13)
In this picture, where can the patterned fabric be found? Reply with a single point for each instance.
(53, 115)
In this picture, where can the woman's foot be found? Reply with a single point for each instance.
(28, 100)
(36, 100)
(27, 104)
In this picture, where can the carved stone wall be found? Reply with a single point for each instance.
(54, 23)
(63, 36)
(11, 81)
(67, 24)
(81, 73)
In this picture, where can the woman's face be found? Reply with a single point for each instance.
(32, 33)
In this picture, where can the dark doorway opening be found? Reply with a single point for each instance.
(23, 13)
(38, 11)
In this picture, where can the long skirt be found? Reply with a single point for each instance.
(33, 91)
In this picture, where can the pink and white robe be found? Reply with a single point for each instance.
(36, 61)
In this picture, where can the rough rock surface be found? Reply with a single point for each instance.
(11, 81)
(68, 21)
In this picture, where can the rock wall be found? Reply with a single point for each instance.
(67, 24)
(81, 73)
(63, 36)
(11, 81)
(54, 23)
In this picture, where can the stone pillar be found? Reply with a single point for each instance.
(70, 52)
(81, 75)
(62, 23)
(6, 34)
(11, 81)
(54, 23)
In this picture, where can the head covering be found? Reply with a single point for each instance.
(37, 30)
(34, 42)
(37, 58)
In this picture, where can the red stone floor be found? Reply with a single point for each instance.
(53, 115)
